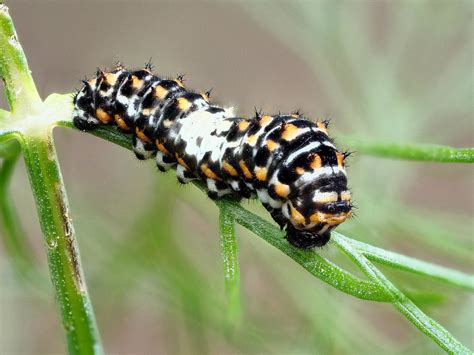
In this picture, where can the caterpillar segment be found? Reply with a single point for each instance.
(285, 160)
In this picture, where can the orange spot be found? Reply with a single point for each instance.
(161, 147)
(272, 145)
(111, 78)
(142, 135)
(282, 190)
(136, 83)
(266, 119)
(121, 123)
(333, 219)
(322, 126)
(345, 196)
(230, 169)
(314, 218)
(290, 132)
(300, 170)
(252, 140)
(146, 111)
(179, 82)
(181, 161)
(340, 159)
(261, 173)
(209, 173)
(297, 216)
(245, 170)
(160, 92)
(243, 125)
(316, 161)
(184, 104)
(103, 116)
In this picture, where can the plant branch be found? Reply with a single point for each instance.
(62, 251)
(20, 88)
(402, 262)
(420, 152)
(424, 323)
(231, 263)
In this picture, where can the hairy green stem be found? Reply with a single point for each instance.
(231, 264)
(63, 255)
(420, 152)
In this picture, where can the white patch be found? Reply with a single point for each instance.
(317, 173)
(285, 209)
(235, 185)
(302, 150)
(320, 196)
(202, 124)
(329, 144)
(263, 195)
(274, 203)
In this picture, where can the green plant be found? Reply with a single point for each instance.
(28, 128)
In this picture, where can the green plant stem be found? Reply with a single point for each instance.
(20, 88)
(424, 323)
(231, 264)
(420, 152)
(402, 262)
(63, 255)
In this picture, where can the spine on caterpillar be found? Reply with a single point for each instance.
(287, 161)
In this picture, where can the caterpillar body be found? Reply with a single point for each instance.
(287, 161)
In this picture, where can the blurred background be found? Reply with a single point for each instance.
(396, 71)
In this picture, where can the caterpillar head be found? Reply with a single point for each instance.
(321, 201)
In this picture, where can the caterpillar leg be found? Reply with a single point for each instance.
(277, 215)
(142, 150)
(216, 189)
(183, 175)
(164, 162)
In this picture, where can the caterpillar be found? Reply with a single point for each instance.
(286, 160)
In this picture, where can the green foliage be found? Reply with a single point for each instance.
(28, 128)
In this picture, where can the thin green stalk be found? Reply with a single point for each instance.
(402, 262)
(62, 251)
(20, 88)
(420, 152)
(231, 264)
(424, 323)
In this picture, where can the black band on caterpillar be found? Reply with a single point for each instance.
(288, 162)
